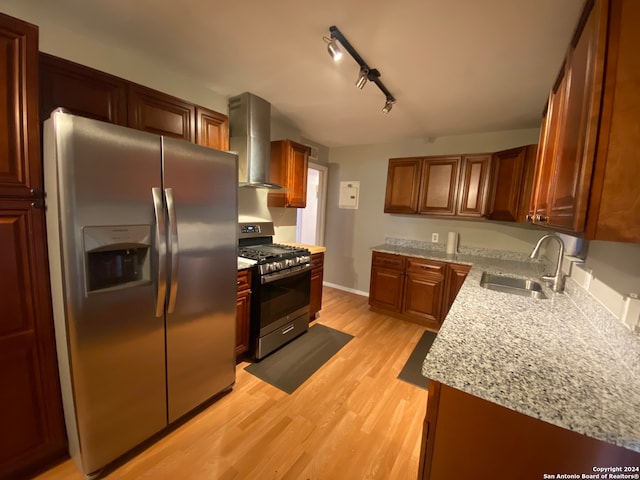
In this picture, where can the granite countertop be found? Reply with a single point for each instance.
(565, 360)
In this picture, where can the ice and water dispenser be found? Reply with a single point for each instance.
(116, 256)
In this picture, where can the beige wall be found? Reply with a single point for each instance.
(351, 233)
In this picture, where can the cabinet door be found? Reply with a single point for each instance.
(571, 178)
(212, 129)
(81, 90)
(423, 291)
(317, 274)
(439, 185)
(512, 180)
(289, 164)
(474, 185)
(456, 275)
(403, 185)
(30, 405)
(387, 275)
(243, 306)
(548, 147)
(20, 166)
(155, 112)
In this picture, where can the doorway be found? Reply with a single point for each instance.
(310, 221)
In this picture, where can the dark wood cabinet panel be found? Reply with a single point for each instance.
(423, 291)
(20, 166)
(589, 161)
(456, 276)
(572, 171)
(158, 113)
(243, 306)
(30, 405)
(317, 275)
(439, 185)
(474, 185)
(511, 183)
(289, 164)
(403, 185)
(523, 446)
(387, 278)
(213, 129)
(81, 90)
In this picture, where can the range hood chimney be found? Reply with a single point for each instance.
(250, 138)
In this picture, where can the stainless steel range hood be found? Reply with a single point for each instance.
(250, 138)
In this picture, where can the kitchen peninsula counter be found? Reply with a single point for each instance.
(564, 360)
(312, 248)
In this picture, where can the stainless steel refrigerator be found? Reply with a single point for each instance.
(142, 246)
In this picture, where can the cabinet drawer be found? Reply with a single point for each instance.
(421, 265)
(317, 260)
(244, 279)
(387, 260)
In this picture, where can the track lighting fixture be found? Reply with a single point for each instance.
(333, 48)
(366, 73)
(362, 78)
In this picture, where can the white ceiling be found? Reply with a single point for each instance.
(454, 66)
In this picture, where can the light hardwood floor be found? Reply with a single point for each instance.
(352, 420)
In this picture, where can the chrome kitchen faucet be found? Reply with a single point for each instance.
(556, 280)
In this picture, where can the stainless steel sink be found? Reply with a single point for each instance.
(515, 286)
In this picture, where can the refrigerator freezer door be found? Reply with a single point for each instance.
(110, 344)
(203, 274)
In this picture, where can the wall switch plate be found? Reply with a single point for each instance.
(434, 237)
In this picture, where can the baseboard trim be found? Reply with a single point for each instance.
(346, 289)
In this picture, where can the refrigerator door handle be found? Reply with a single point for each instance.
(161, 247)
(172, 250)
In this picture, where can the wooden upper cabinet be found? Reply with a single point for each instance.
(155, 112)
(572, 171)
(81, 90)
(289, 164)
(473, 191)
(591, 130)
(511, 183)
(550, 134)
(20, 166)
(403, 185)
(213, 129)
(439, 185)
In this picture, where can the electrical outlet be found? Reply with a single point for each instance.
(434, 237)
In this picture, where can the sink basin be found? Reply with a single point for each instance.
(515, 286)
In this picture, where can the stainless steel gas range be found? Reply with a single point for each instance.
(281, 288)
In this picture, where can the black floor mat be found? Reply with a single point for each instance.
(290, 366)
(412, 370)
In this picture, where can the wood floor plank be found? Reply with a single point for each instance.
(353, 419)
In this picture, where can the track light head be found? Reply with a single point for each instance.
(333, 48)
(362, 78)
(388, 105)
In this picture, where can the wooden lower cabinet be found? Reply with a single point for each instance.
(317, 274)
(423, 291)
(414, 289)
(33, 432)
(243, 310)
(386, 285)
(467, 437)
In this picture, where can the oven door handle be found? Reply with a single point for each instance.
(273, 277)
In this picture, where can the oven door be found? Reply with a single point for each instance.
(284, 297)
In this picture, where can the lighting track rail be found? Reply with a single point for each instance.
(366, 73)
